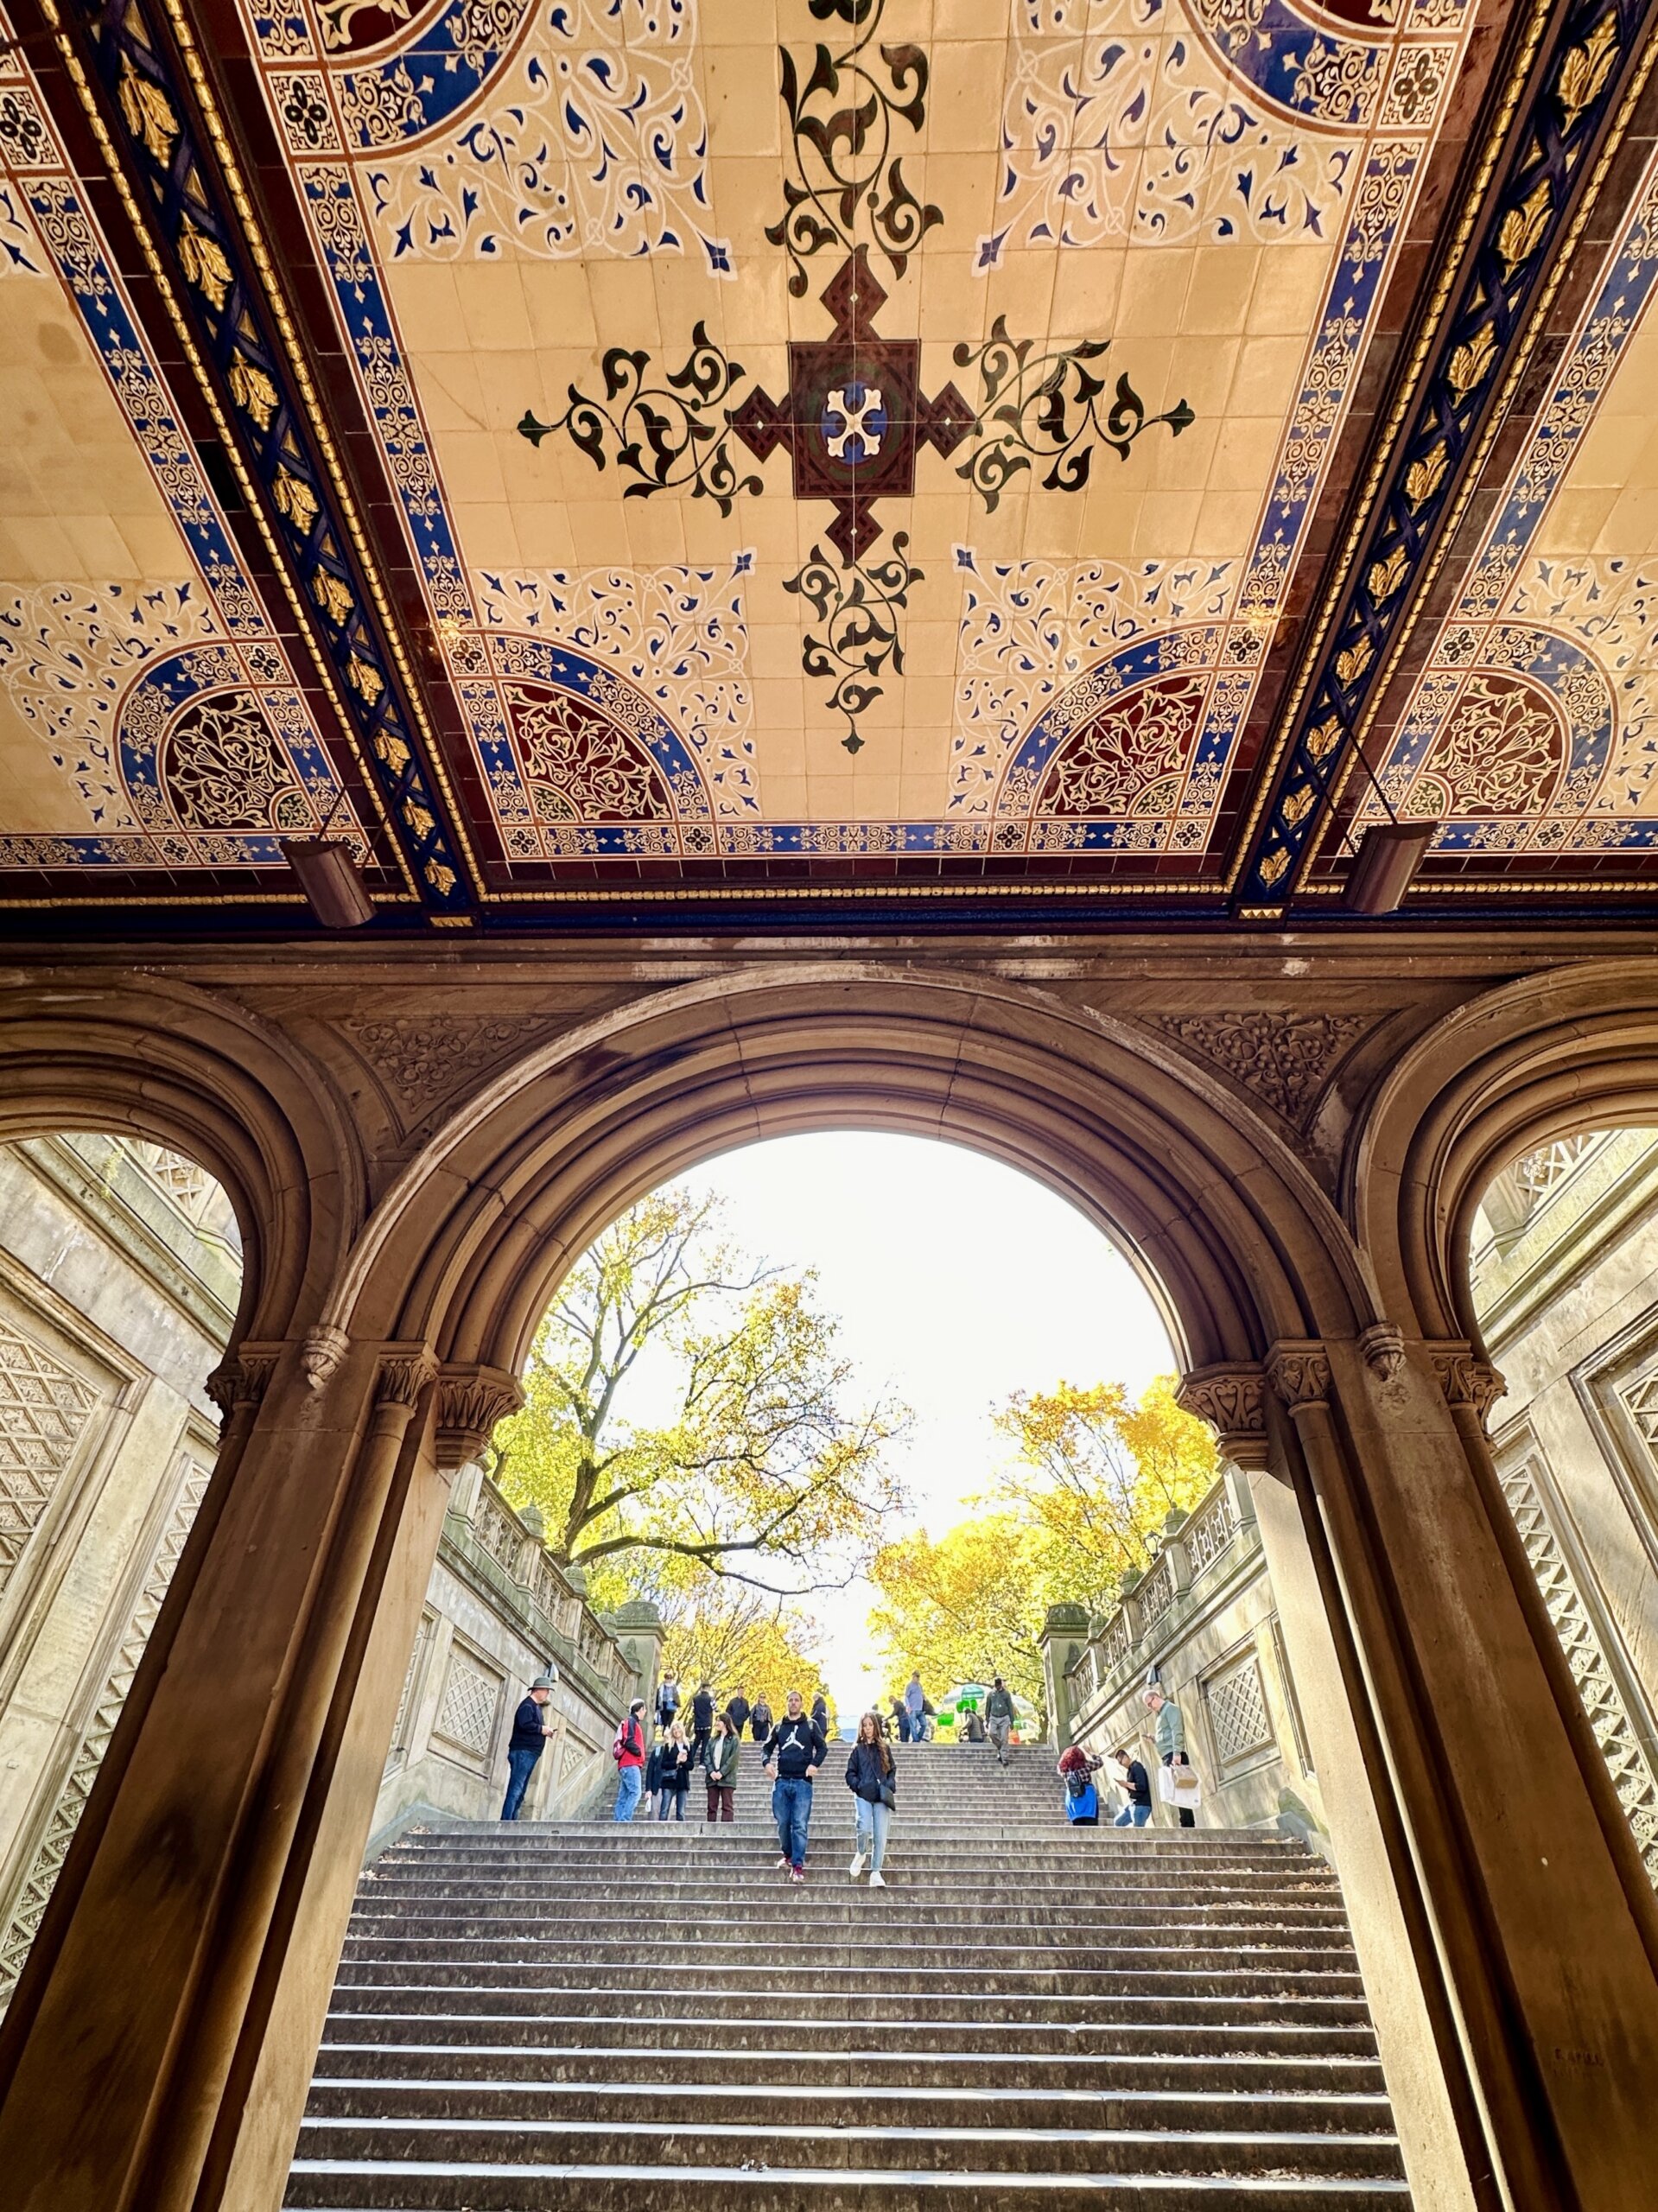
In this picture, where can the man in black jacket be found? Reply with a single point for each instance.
(794, 1752)
(737, 1713)
(702, 1722)
(529, 1731)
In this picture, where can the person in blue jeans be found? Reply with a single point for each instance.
(794, 1752)
(630, 1760)
(1135, 1785)
(529, 1733)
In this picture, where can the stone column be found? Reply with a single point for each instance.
(155, 2056)
(1545, 1949)
(637, 1626)
(1064, 1634)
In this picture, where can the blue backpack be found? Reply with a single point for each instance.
(1083, 1803)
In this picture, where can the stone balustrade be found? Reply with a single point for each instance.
(1202, 1616)
(500, 1607)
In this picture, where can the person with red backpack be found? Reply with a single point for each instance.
(628, 1751)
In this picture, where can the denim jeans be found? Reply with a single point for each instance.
(520, 1766)
(873, 1821)
(1132, 1816)
(676, 1797)
(903, 1724)
(791, 1809)
(628, 1785)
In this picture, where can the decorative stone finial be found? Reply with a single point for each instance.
(321, 1352)
(1383, 1347)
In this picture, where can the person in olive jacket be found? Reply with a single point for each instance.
(720, 1765)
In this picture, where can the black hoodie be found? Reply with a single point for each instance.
(793, 1745)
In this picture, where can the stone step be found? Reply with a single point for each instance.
(697, 2067)
(857, 1907)
(1295, 2005)
(863, 1952)
(1169, 1985)
(339, 2185)
(738, 2107)
(690, 2143)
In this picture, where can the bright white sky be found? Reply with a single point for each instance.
(957, 1281)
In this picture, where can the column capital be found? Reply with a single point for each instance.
(404, 1372)
(1231, 1397)
(470, 1401)
(1465, 1379)
(1299, 1371)
(321, 1353)
(241, 1377)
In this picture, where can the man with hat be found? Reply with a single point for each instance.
(529, 1732)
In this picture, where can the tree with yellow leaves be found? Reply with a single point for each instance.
(1097, 1476)
(965, 1607)
(735, 1639)
(685, 1404)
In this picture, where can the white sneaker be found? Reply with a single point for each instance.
(876, 1883)
(782, 1863)
(856, 1867)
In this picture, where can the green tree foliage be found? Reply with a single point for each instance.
(688, 1409)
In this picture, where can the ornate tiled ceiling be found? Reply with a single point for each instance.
(1097, 453)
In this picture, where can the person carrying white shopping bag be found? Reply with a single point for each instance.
(1177, 1784)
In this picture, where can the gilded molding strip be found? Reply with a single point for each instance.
(207, 250)
(1597, 61)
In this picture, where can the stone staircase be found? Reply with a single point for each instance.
(584, 2016)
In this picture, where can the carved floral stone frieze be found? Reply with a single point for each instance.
(1285, 1060)
(423, 1059)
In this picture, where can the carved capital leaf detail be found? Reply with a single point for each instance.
(240, 1378)
(1467, 1380)
(470, 1401)
(1299, 1373)
(406, 1371)
(1287, 1059)
(1232, 1400)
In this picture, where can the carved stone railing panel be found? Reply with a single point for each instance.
(1117, 1646)
(1210, 1529)
(499, 1533)
(1155, 1594)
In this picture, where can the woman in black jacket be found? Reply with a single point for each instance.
(673, 1773)
(871, 1773)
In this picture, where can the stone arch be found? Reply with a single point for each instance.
(1236, 1241)
(193, 1072)
(1536, 1060)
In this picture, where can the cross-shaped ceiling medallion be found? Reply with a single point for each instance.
(854, 418)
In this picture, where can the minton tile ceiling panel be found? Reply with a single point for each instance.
(857, 427)
(1532, 732)
(149, 716)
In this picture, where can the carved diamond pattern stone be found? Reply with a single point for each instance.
(43, 1409)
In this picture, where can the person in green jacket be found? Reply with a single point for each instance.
(720, 1759)
(998, 1717)
(1170, 1725)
